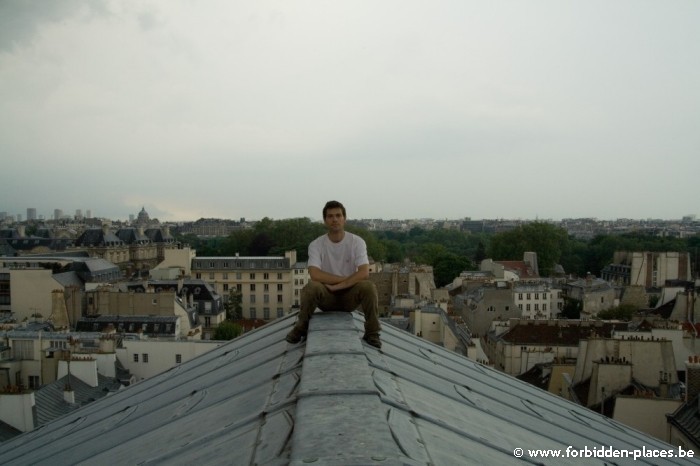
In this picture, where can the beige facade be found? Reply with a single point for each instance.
(148, 357)
(594, 294)
(266, 284)
(394, 280)
(301, 278)
(560, 378)
(648, 358)
(647, 415)
(648, 269)
(537, 300)
(177, 259)
(30, 293)
(34, 358)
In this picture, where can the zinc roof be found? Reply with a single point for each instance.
(330, 400)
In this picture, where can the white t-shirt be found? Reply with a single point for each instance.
(341, 258)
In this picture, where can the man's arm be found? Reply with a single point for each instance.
(336, 282)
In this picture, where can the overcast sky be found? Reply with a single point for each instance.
(542, 109)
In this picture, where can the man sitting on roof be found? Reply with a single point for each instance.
(339, 270)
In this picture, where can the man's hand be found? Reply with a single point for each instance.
(335, 287)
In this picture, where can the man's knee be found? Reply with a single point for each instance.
(366, 288)
(312, 288)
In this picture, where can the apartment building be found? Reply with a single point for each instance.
(537, 300)
(266, 284)
(593, 293)
(648, 269)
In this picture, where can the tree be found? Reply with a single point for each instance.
(548, 241)
(622, 312)
(234, 310)
(227, 330)
(572, 309)
(448, 266)
(480, 253)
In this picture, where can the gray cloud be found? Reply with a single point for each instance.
(261, 109)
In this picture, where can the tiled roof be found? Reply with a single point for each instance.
(49, 398)
(7, 432)
(522, 268)
(157, 235)
(542, 333)
(132, 236)
(331, 400)
(687, 419)
(93, 237)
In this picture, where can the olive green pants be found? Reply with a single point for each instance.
(316, 295)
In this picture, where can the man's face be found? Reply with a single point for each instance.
(334, 219)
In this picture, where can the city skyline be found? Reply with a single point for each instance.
(398, 109)
(79, 214)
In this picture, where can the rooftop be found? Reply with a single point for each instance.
(330, 400)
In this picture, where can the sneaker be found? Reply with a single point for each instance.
(295, 335)
(373, 339)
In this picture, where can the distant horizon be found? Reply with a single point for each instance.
(71, 217)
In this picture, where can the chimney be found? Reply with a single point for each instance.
(68, 394)
(180, 282)
(663, 384)
(692, 377)
(59, 312)
(105, 229)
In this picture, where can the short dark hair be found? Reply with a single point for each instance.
(334, 205)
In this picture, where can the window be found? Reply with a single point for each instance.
(239, 275)
(528, 296)
(252, 276)
(225, 276)
(225, 286)
(252, 313)
(266, 276)
(23, 349)
(266, 287)
(537, 307)
(239, 287)
(34, 381)
(520, 296)
(544, 307)
(198, 276)
(280, 312)
(527, 307)
(537, 296)
(136, 357)
(280, 298)
(544, 295)
(279, 276)
(266, 313)
(178, 359)
(266, 298)
(279, 287)
(252, 287)
(207, 321)
(252, 299)
(211, 276)
(145, 357)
